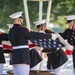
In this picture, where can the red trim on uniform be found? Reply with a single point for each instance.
(0, 32)
(68, 52)
(31, 45)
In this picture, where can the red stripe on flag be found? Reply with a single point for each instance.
(68, 52)
(7, 46)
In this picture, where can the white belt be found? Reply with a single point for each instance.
(19, 47)
(0, 45)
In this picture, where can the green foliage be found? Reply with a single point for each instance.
(59, 9)
(6, 8)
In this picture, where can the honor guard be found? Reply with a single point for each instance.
(3, 36)
(55, 59)
(19, 37)
(69, 34)
(35, 58)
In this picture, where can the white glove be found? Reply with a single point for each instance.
(41, 32)
(69, 47)
(10, 25)
(54, 36)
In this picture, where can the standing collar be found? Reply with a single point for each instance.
(18, 25)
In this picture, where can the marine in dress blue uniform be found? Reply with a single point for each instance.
(3, 36)
(55, 58)
(19, 37)
(35, 58)
(69, 34)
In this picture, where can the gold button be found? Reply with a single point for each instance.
(57, 54)
(71, 39)
(71, 42)
(73, 33)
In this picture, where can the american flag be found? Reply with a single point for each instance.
(47, 43)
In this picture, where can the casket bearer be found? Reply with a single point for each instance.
(69, 34)
(19, 36)
(56, 58)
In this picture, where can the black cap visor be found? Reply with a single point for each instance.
(68, 21)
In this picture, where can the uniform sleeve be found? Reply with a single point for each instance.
(3, 36)
(64, 34)
(35, 35)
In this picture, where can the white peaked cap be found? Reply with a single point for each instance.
(39, 22)
(70, 17)
(10, 25)
(16, 15)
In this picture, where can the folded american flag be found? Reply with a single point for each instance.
(47, 43)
